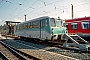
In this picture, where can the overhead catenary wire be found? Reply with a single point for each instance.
(49, 12)
(60, 9)
(65, 7)
(16, 8)
(41, 7)
(1, 1)
(33, 8)
(2, 4)
(25, 9)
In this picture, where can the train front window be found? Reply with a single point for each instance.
(52, 22)
(58, 23)
(55, 22)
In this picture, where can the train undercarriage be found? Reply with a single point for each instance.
(70, 41)
(74, 42)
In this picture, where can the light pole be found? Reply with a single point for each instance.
(25, 17)
(72, 14)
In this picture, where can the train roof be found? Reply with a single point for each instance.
(78, 19)
(35, 19)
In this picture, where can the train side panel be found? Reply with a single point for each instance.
(41, 32)
(34, 33)
(79, 26)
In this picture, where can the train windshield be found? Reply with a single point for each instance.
(52, 22)
(58, 23)
(55, 22)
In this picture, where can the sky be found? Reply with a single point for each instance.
(15, 10)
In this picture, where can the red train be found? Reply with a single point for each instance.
(80, 26)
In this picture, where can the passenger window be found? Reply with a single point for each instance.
(46, 22)
(29, 25)
(74, 25)
(20, 26)
(35, 24)
(85, 25)
(24, 26)
(17, 27)
(42, 23)
(52, 22)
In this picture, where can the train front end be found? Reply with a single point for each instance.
(57, 29)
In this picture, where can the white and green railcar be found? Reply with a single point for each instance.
(42, 28)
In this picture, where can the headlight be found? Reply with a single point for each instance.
(52, 29)
(66, 31)
(63, 31)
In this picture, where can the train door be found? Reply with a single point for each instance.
(41, 29)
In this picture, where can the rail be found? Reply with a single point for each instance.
(25, 54)
(22, 53)
(13, 51)
(3, 56)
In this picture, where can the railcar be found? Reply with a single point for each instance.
(44, 28)
(80, 26)
(51, 29)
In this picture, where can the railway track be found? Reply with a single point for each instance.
(42, 51)
(75, 46)
(55, 44)
(2, 56)
(51, 44)
(9, 53)
(37, 50)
